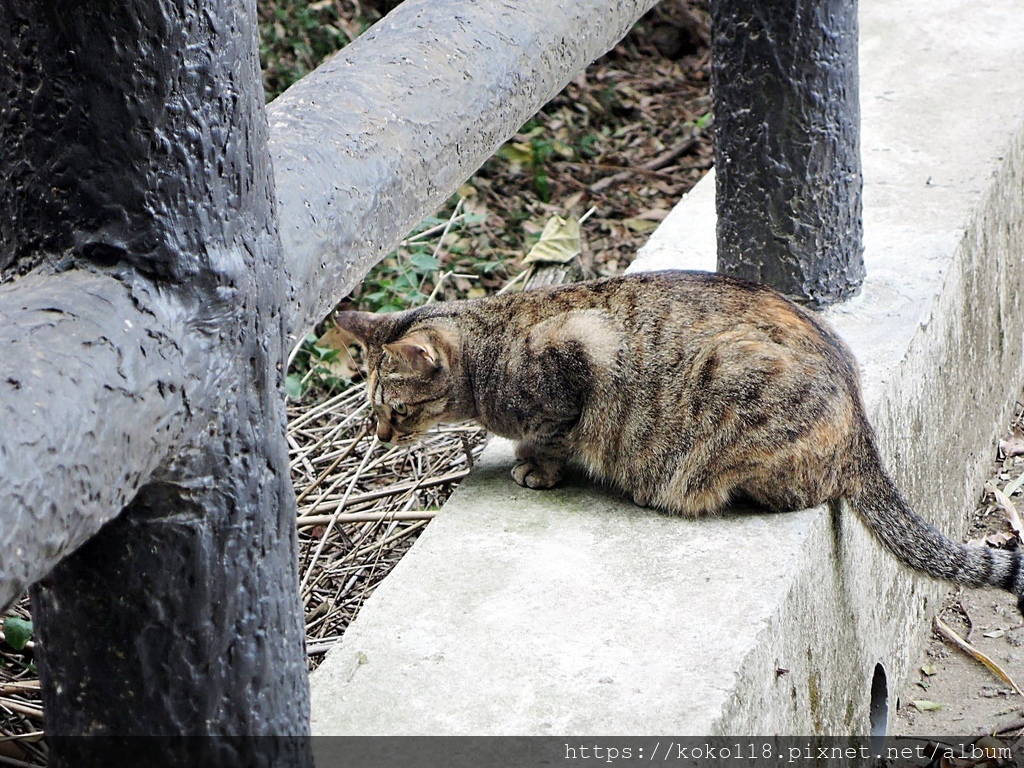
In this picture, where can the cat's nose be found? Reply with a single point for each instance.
(384, 431)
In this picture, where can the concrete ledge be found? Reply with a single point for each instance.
(555, 615)
(572, 611)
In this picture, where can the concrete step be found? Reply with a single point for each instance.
(573, 612)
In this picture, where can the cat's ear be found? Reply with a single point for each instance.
(414, 354)
(364, 328)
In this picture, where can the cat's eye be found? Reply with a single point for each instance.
(400, 409)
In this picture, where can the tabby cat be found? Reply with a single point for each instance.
(683, 389)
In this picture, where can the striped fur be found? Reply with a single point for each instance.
(685, 390)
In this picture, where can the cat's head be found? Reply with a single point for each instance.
(410, 383)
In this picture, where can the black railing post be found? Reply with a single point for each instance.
(133, 151)
(787, 145)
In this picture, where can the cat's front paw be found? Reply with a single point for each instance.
(530, 475)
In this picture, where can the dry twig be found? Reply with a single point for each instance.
(947, 632)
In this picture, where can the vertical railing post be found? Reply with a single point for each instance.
(787, 145)
(133, 144)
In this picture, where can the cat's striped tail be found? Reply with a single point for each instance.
(921, 546)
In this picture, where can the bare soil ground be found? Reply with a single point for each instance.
(951, 692)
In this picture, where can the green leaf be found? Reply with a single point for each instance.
(926, 706)
(703, 121)
(326, 354)
(424, 263)
(293, 386)
(543, 186)
(18, 632)
(517, 153)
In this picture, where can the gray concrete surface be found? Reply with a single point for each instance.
(572, 611)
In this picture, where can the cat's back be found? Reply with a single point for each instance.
(663, 318)
(707, 361)
(675, 308)
(695, 298)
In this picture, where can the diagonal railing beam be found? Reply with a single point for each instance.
(379, 137)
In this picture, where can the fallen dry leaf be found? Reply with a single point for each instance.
(640, 225)
(1012, 488)
(944, 630)
(559, 242)
(653, 214)
(344, 365)
(1012, 516)
(923, 705)
(1013, 446)
(991, 746)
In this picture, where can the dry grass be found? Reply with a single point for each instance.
(21, 710)
(361, 504)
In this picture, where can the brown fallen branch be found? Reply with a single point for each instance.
(334, 465)
(679, 148)
(21, 707)
(383, 493)
(18, 687)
